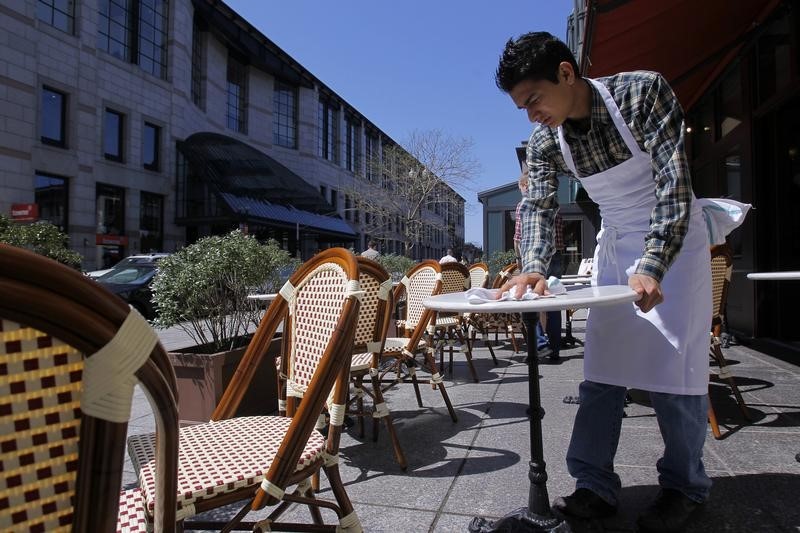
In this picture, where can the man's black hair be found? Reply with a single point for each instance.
(532, 56)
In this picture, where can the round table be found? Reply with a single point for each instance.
(537, 516)
(776, 276)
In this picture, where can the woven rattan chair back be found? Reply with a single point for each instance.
(70, 354)
(479, 275)
(721, 270)
(455, 277)
(421, 281)
(320, 303)
(375, 311)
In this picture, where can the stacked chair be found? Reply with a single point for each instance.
(721, 270)
(399, 356)
(70, 355)
(269, 460)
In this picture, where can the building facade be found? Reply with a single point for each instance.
(145, 125)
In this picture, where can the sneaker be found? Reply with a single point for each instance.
(671, 512)
(583, 503)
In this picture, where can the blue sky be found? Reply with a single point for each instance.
(418, 65)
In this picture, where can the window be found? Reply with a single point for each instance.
(57, 13)
(353, 145)
(198, 66)
(51, 197)
(54, 117)
(237, 95)
(323, 190)
(151, 222)
(371, 155)
(335, 199)
(347, 207)
(135, 31)
(151, 142)
(328, 131)
(113, 123)
(110, 210)
(284, 115)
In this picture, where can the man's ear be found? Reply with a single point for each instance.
(566, 73)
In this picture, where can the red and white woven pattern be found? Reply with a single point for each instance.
(420, 286)
(220, 457)
(368, 312)
(478, 277)
(317, 307)
(132, 517)
(40, 392)
(361, 361)
(454, 281)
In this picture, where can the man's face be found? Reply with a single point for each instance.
(544, 101)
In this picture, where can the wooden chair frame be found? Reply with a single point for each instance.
(60, 302)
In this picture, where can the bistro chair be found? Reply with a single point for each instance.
(479, 275)
(70, 356)
(452, 326)
(721, 270)
(475, 323)
(261, 458)
(423, 280)
(510, 323)
(374, 317)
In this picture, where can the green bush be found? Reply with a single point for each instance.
(203, 288)
(396, 265)
(499, 260)
(40, 237)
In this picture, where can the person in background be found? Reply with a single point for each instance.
(372, 251)
(623, 137)
(448, 257)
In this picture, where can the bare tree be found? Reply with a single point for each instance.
(410, 191)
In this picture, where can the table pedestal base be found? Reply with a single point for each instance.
(521, 520)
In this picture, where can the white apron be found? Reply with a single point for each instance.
(666, 349)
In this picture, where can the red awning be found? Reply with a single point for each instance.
(690, 42)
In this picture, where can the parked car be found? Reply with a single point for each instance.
(131, 282)
(130, 260)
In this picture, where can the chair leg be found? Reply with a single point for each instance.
(712, 419)
(468, 355)
(510, 330)
(436, 379)
(383, 412)
(725, 373)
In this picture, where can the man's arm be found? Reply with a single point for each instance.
(661, 119)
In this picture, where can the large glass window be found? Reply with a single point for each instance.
(57, 13)
(328, 131)
(371, 155)
(774, 67)
(198, 66)
(731, 108)
(151, 146)
(54, 117)
(51, 193)
(113, 124)
(353, 145)
(151, 222)
(284, 115)
(237, 95)
(135, 31)
(110, 210)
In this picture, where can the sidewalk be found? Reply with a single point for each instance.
(479, 466)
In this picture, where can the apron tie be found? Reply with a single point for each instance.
(607, 252)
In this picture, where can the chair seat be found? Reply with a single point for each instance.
(132, 517)
(361, 362)
(447, 321)
(219, 457)
(396, 344)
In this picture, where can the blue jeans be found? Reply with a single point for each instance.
(682, 420)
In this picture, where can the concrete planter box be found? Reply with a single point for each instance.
(203, 377)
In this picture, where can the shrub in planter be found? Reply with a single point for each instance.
(396, 265)
(498, 260)
(203, 288)
(40, 237)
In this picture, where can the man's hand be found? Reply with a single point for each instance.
(520, 282)
(649, 289)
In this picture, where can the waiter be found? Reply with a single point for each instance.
(622, 137)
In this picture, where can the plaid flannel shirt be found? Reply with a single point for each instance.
(652, 112)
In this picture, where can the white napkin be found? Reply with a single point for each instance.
(479, 295)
